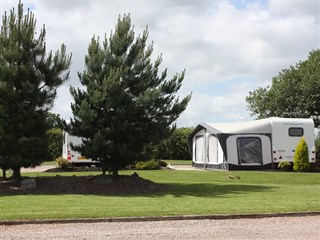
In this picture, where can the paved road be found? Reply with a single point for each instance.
(293, 228)
(41, 168)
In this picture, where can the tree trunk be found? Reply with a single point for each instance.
(115, 171)
(16, 173)
(4, 175)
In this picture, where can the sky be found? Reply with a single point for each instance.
(227, 47)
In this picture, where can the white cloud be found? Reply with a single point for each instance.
(227, 49)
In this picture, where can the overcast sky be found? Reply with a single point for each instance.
(228, 48)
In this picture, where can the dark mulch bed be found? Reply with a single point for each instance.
(76, 169)
(95, 185)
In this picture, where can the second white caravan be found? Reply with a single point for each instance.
(74, 157)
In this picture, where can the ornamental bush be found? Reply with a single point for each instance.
(148, 165)
(301, 157)
(285, 166)
(63, 163)
(162, 163)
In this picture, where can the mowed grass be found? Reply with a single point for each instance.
(179, 162)
(189, 193)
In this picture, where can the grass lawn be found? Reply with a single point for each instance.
(49, 163)
(179, 162)
(190, 192)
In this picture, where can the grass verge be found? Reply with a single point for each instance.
(179, 162)
(190, 193)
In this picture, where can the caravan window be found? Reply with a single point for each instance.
(249, 150)
(295, 132)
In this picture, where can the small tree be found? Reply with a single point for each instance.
(54, 120)
(126, 104)
(54, 134)
(29, 77)
(55, 139)
(301, 157)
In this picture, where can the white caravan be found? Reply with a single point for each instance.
(250, 145)
(73, 156)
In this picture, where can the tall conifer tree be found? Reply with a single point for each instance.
(29, 77)
(125, 103)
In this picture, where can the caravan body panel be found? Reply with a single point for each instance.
(286, 134)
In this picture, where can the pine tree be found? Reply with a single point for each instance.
(29, 77)
(125, 103)
(301, 157)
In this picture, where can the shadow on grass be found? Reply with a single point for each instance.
(212, 190)
(129, 186)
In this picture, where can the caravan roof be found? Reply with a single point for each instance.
(256, 126)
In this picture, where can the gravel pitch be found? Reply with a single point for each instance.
(294, 228)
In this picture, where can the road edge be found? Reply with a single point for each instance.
(160, 218)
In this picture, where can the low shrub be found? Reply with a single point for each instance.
(162, 163)
(63, 163)
(148, 165)
(285, 166)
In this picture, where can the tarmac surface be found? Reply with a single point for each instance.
(41, 168)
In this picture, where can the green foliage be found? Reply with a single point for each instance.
(162, 163)
(301, 157)
(293, 93)
(125, 103)
(63, 163)
(54, 120)
(29, 77)
(175, 146)
(148, 165)
(54, 135)
(285, 166)
(55, 138)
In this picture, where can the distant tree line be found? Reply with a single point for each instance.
(294, 93)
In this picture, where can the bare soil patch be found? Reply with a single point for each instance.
(96, 185)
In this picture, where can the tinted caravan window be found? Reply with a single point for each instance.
(295, 132)
(249, 150)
